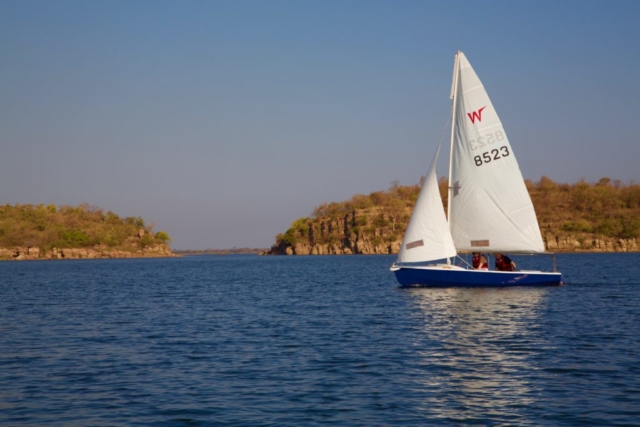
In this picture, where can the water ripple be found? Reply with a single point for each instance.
(242, 340)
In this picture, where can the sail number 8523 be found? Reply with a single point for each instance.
(488, 156)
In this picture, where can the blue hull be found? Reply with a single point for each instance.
(445, 277)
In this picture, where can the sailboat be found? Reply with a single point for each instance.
(489, 208)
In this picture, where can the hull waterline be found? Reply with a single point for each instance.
(447, 276)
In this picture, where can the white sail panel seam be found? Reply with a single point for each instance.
(472, 89)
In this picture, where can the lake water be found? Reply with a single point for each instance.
(306, 341)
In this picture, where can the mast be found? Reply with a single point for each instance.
(454, 96)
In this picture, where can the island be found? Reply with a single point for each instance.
(29, 232)
(580, 217)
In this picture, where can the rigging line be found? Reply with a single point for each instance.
(444, 128)
(464, 260)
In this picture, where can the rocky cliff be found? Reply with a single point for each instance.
(372, 231)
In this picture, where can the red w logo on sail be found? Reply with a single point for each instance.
(476, 115)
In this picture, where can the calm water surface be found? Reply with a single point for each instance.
(291, 341)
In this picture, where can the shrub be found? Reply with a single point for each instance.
(577, 226)
(74, 238)
(380, 221)
(163, 237)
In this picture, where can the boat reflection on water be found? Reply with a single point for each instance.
(477, 356)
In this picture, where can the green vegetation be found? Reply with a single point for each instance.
(163, 237)
(83, 226)
(607, 209)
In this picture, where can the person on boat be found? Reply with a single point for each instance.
(504, 263)
(479, 262)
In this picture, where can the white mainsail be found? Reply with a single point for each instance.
(427, 237)
(490, 208)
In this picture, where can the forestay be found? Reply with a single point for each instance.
(427, 236)
(490, 208)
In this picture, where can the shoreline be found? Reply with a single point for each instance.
(34, 253)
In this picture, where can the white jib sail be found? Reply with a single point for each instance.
(490, 207)
(427, 237)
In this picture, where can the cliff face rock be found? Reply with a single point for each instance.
(372, 231)
(357, 232)
(588, 243)
(31, 253)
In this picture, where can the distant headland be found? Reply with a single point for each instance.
(580, 217)
(231, 251)
(29, 232)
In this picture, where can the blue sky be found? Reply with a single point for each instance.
(224, 121)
